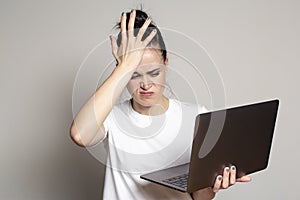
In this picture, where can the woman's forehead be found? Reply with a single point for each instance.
(142, 69)
(151, 56)
(151, 60)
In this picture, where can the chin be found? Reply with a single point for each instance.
(145, 102)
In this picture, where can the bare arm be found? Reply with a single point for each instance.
(87, 128)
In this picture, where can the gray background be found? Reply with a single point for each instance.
(255, 45)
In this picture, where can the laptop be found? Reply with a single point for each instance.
(240, 136)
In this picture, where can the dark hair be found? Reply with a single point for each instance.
(140, 19)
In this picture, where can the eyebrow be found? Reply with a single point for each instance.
(149, 72)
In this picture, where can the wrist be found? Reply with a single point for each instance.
(124, 69)
(127, 66)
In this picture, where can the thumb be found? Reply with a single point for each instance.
(244, 179)
(114, 46)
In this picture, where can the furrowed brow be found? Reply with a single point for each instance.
(150, 72)
(136, 73)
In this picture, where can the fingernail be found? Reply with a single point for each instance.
(227, 169)
(133, 11)
(123, 14)
(219, 178)
(232, 167)
(154, 30)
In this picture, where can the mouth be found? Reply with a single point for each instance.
(146, 94)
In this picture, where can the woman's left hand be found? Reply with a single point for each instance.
(222, 182)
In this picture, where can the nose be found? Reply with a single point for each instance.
(145, 83)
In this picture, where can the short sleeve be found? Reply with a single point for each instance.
(107, 125)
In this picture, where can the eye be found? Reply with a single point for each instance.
(135, 75)
(155, 74)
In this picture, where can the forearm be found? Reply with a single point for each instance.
(89, 120)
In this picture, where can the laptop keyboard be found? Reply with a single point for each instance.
(179, 181)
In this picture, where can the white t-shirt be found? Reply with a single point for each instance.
(139, 144)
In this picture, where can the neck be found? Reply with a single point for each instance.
(157, 109)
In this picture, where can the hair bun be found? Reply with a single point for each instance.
(141, 15)
(140, 18)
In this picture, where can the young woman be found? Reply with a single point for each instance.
(147, 132)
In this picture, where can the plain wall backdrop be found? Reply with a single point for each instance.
(255, 45)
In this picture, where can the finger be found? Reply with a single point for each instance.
(217, 184)
(131, 23)
(225, 181)
(149, 38)
(143, 29)
(123, 22)
(123, 45)
(232, 175)
(244, 179)
(123, 32)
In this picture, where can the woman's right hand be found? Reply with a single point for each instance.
(131, 49)
(87, 128)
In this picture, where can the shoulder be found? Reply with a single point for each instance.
(123, 106)
(119, 110)
(188, 106)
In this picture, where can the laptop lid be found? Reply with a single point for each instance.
(241, 136)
